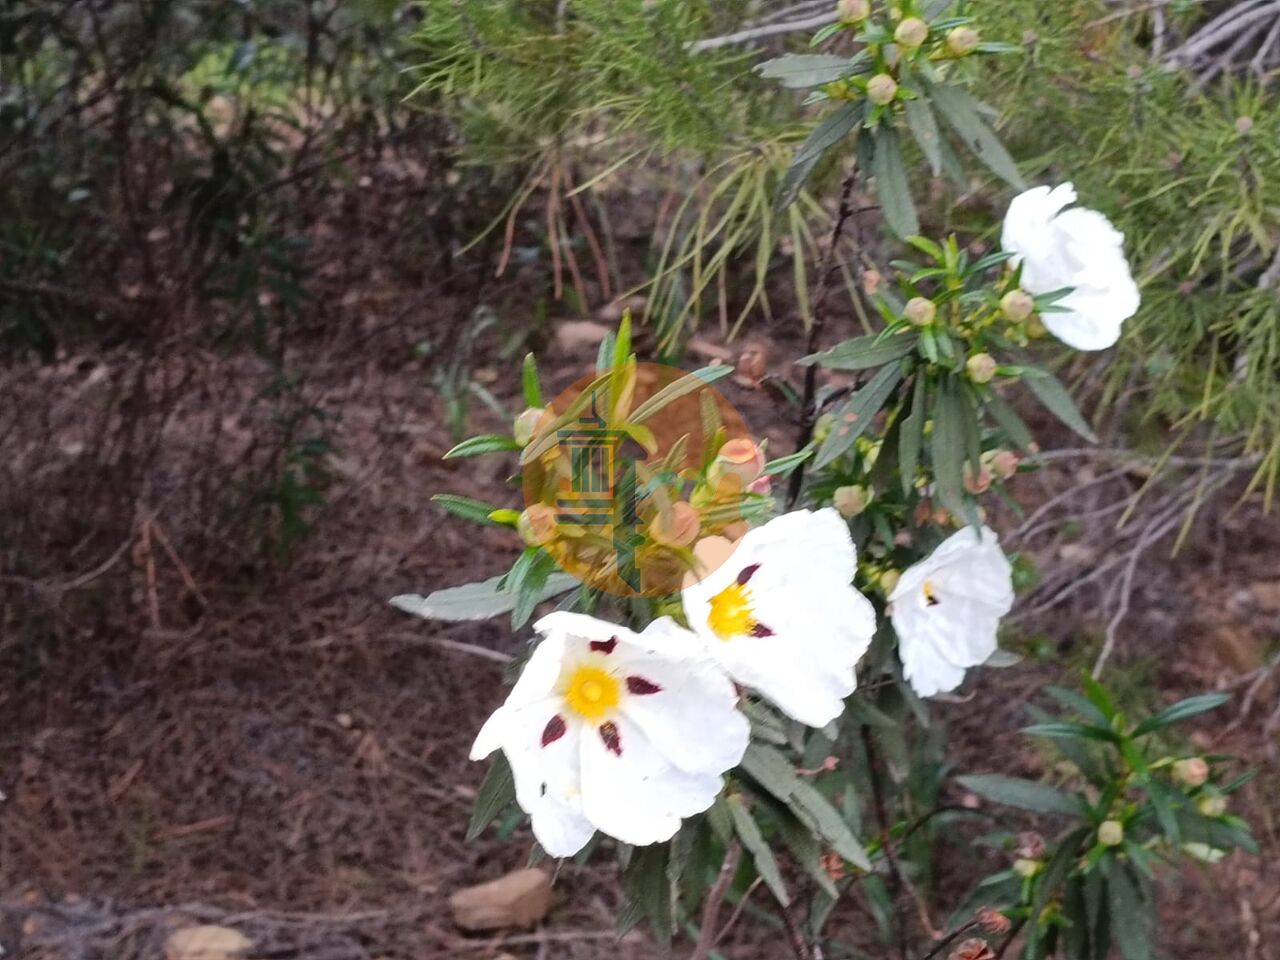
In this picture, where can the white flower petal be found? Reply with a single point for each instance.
(946, 610)
(636, 794)
(814, 625)
(547, 775)
(1077, 248)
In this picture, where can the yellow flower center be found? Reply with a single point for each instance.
(930, 595)
(591, 692)
(731, 614)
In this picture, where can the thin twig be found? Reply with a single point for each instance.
(808, 412)
(715, 897)
(759, 33)
(886, 841)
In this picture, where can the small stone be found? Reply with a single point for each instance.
(207, 942)
(520, 899)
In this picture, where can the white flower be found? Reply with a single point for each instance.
(780, 615)
(946, 609)
(612, 730)
(1076, 248)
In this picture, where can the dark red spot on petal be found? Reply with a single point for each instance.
(611, 737)
(640, 686)
(604, 646)
(553, 731)
(747, 573)
(760, 630)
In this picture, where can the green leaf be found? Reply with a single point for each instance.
(815, 810)
(837, 125)
(1073, 731)
(1181, 710)
(911, 437)
(680, 388)
(477, 601)
(1099, 697)
(487, 443)
(803, 846)
(1057, 401)
(1129, 915)
(529, 382)
(962, 113)
(774, 773)
(477, 511)
(1023, 794)
(622, 342)
(604, 353)
(784, 465)
(892, 188)
(497, 792)
(648, 893)
(1009, 421)
(862, 353)
(529, 589)
(947, 445)
(761, 855)
(801, 70)
(854, 416)
(924, 128)
(1079, 704)
(550, 437)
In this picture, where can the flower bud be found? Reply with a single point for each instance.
(979, 482)
(762, 485)
(975, 948)
(1111, 833)
(981, 367)
(992, 920)
(881, 89)
(1244, 126)
(851, 501)
(1212, 805)
(911, 33)
(526, 425)
(1030, 845)
(853, 11)
(1017, 305)
(537, 525)
(1191, 772)
(920, 312)
(676, 525)
(962, 41)
(1002, 463)
(739, 461)
(1026, 868)
(888, 580)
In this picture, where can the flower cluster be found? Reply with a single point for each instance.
(628, 733)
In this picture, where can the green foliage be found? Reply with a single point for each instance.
(1192, 178)
(1093, 886)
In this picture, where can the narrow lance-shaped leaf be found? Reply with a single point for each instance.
(854, 416)
(680, 388)
(476, 601)
(476, 511)
(749, 832)
(529, 382)
(497, 792)
(1057, 401)
(961, 111)
(862, 353)
(1023, 794)
(487, 443)
(838, 124)
(1181, 710)
(801, 70)
(892, 188)
(912, 434)
(924, 128)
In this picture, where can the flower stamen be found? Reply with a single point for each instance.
(591, 692)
